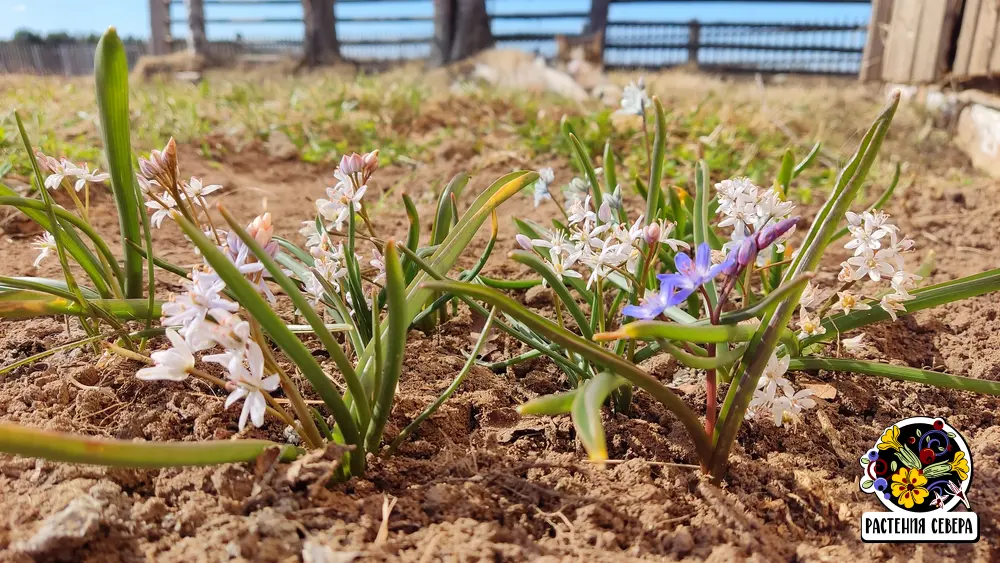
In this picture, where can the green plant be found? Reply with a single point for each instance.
(729, 303)
(228, 305)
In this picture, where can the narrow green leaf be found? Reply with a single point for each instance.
(722, 358)
(590, 351)
(412, 233)
(702, 220)
(111, 77)
(549, 405)
(443, 217)
(454, 244)
(556, 284)
(784, 178)
(801, 167)
(22, 304)
(773, 325)
(923, 298)
(656, 167)
(398, 324)
(648, 330)
(588, 170)
(901, 373)
(261, 310)
(455, 384)
(306, 310)
(586, 412)
(35, 210)
(74, 448)
(57, 288)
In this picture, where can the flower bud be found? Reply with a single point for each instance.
(604, 212)
(747, 252)
(651, 234)
(261, 229)
(766, 236)
(371, 164)
(352, 164)
(524, 242)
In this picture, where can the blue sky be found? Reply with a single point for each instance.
(131, 17)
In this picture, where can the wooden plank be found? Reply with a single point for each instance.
(985, 37)
(159, 27)
(901, 44)
(878, 29)
(966, 36)
(937, 21)
(995, 59)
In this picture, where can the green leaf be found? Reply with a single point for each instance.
(656, 167)
(586, 412)
(111, 77)
(923, 298)
(800, 167)
(774, 325)
(611, 177)
(590, 351)
(556, 284)
(433, 407)
(261, 311)
(879, 203)
(398, 325)
(35, 210)
(73, 448)
(648, 330)
(702, 220)
(901, 373)
(549, 405)
(443, 217)
(21, 304)
(588, 169)
(723, 356)
(454, 244)
(893, 466)
(306, 310)
(867, 483)
(412, 234)
(784, 178)
(57, 288)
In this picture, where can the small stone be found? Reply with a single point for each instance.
(69, 528)
(537, 296)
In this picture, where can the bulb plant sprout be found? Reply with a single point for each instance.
(720, 279)
(357, 291)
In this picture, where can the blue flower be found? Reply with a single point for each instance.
(693, 274)
(655, 304)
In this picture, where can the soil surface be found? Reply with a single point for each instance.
(477, 482)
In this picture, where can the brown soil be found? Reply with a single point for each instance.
(477, 482)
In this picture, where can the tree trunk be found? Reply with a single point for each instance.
(461, 29)
(197, 40)
(320, 44)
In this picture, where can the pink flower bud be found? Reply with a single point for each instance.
(351, 164)
(651, 234)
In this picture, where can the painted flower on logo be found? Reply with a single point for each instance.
(908, 486)
(960, 465)
(890, 439)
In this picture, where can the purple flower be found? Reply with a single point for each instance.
(693, 274)
(653, 305)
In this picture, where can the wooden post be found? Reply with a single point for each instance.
(598, 23)
(878, 29)
(197, 40)
(694, 40)
(159, 27)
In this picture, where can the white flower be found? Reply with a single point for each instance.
(580, 212)
(547, 175)
(545, 178)
(334, 212)
(891, 303)
(867, 230)
(849, 302)
(774, 374)
(556, 242)
(85, 176)
(229, 331)
(600, 263)
(203, 295)
(577, 190)
(634, 99)
(173, 364)
(562, 267)
(748, 209)
(872, 265)
(161, 209)
(249, 384)
(854, 344)
(378, 262)
(809, 325)
(786, 409)
(195, 189)
(314, 236)
(810, 297)
(46, 245)
(346, 195)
